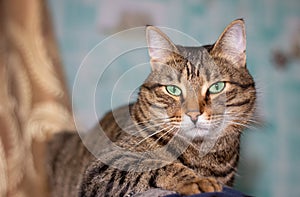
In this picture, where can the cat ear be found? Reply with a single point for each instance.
(231, 45)
(160, 47)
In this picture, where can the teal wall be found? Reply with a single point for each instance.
(270, 158)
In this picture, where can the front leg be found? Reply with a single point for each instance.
(179, 178)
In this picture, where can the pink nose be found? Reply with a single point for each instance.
(194, 116)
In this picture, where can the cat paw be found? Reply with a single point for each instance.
(200, 185)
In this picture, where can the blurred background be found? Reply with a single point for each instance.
(270, 157)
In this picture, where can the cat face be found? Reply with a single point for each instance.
(199, 91)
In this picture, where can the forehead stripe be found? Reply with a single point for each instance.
(188, 69)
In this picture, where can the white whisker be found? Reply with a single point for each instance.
(167, 132)
(150, 136)
(146, 128)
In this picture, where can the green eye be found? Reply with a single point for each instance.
(216, 87)
(173, 90)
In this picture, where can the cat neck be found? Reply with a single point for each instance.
(220, 152)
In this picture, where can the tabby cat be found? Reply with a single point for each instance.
(183, 132)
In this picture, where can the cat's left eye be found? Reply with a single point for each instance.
(173, 90)
(216, 87)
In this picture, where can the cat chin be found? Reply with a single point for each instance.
(196, 132)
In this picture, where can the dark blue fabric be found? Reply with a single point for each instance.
(227, 192)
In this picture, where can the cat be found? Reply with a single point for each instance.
(183, 132)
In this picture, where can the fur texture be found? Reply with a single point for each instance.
(196, 102)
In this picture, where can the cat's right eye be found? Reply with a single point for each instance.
(216, 87)
(173, 90)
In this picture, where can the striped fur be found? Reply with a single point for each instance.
(158, 116)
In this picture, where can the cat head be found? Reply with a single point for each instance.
(198, 90)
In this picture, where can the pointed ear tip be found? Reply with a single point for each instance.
(151, 28)
(148, 27)
(239, 21)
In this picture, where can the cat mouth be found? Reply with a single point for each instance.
(196, 131)
(197, 126)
